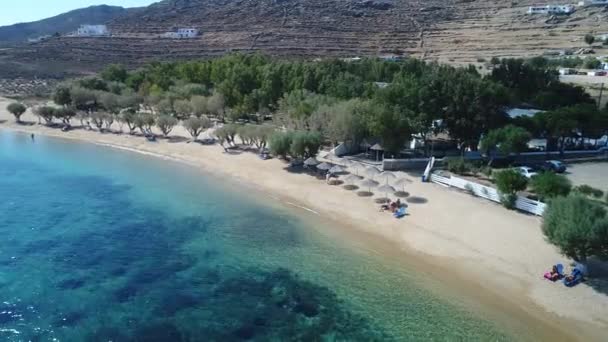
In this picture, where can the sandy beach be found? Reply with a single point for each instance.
(500, 252)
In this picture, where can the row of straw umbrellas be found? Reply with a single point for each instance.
(375, 178)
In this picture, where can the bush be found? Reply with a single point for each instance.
(509, 182)
(548, 185)
(460, 166)
(280, 144)
(589, 191)
(589, 38)
(578, 226)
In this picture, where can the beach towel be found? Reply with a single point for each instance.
(399, 213)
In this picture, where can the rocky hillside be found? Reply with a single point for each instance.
(62, 23)
(455, 31)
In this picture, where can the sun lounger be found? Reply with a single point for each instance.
(559, 275)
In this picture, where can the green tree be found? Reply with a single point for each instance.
(145, 122)
(589, 38)
(227, 134)
(199, 105)
(46, 112)
(129, 117)
(17, 109)
(166, 123)
(62, 96)
(548, 185)
(507, 140)
(115, 73)
(305, 144)
(592, 63)
(98, 120)
(578, 226)
(183, 109)
(65, 114)
(509, 183)
(391, 125)
(280, 144)
(196, 125)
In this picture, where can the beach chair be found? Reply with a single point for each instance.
(399, 213)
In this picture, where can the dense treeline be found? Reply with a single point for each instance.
(338, 100)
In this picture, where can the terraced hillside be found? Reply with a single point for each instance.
(456, 31)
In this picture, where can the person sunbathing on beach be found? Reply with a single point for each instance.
(554, 274)
(384, 207)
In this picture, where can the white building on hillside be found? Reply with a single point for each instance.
(92, 31)
(552, 9)
(593, 3)
(188, 32)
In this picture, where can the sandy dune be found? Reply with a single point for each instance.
(501, 251)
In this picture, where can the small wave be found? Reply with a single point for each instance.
(12, 331)
(302, 207)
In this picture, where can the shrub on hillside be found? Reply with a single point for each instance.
(548, 185)
(578, 226)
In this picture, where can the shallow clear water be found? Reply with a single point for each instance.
(102, 245)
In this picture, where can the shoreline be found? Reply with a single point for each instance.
(476, 272)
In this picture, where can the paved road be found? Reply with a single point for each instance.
(593, 174)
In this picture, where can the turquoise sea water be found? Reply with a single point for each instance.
(105, 245)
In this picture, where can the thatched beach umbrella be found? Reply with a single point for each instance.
(386, 189)
(386, 175)
(368, 183)
(355, 167)
(337, 169)
(401, 183)
(377, 148)
(351, 179)
(372, 171)
(324, 166)
(312, 161)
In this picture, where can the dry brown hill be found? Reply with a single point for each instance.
(456, 31)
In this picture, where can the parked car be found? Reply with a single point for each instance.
(554, 166)
(527, 171)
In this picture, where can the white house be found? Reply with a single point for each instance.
(518, 112)
(92, 31)
(593, 3)
(188, 32)
(552, 9)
